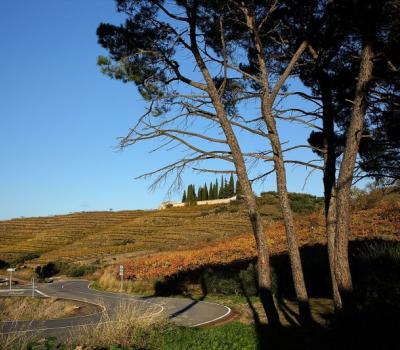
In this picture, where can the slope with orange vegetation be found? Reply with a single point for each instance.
(381, 221)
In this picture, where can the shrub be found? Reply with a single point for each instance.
(48, 270)
(377, 271)
(74, 270)
(4, 264)
(270, 198)
(233, 281)
(26, 257)
(82, 270)
(248, 280)
(221, 283)
(220, 209)
(303, 203)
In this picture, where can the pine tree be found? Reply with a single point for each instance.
(184, 197)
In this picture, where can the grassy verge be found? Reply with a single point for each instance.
(232, 336)
(156, 335)
(25, 308)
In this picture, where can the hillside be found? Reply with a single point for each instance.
(381, 220)
(144, 238)
(86, 236)
(90, 236)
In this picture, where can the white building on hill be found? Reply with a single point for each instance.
(169, 204)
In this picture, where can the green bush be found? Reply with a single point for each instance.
(48, 270)
(74, 270)
(220, 209)
(220, 283)
(235, 281)
(303, 203)
(4, 264)
(377, 271)
(81, 270)
(270, 198)
(21, 259)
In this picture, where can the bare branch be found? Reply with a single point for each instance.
(215, 171)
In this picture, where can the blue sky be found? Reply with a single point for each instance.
(60, 118)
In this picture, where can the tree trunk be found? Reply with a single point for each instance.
(267, 101)
(353, 137)
(293, 248)
(264, 271)
(329, 146)
(263, 258)
(330, 229)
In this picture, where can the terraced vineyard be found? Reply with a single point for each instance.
(94, 235)
(91, 236)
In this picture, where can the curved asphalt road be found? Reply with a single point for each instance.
(185, 312)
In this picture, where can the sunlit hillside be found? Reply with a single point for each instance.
(94, 235)
(103, 236)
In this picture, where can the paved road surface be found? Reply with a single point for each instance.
(184, 312)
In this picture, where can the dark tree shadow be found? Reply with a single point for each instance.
(372, 323)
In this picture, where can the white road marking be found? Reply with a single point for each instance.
(215, 319)
(41, 293)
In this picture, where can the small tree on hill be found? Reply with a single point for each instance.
(184, 197)
(238, 190)
(205, 192)
(211, 191)
(231, 187)
(221, 193)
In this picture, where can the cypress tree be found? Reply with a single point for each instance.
(231, 187)
(205, 192)
(226, 189)
(211, 191)
(184, 197)
(238, 189)
(222, 189)
(216, 189)
(194, 193)
(189, 197)
(199, 194)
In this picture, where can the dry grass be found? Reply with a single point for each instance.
(15, 339)
(26, 308)
(129, 324)
(108, 282)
